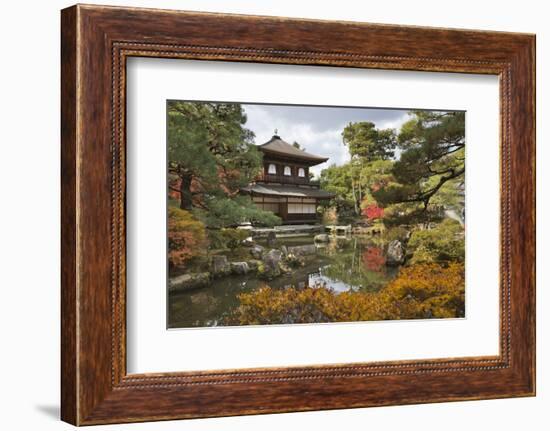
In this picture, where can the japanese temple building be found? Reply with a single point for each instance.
(284, 186)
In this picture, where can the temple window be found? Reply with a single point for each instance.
(301, 172)
(272, 169)
(287, 171)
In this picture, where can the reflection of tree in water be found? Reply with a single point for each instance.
(343, 264)
(356, 263)
(374, 259)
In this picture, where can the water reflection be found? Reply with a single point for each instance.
(352, 263)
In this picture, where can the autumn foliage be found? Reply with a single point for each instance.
(372, 212)
(186, 237)
(419, 292)
(374, 259)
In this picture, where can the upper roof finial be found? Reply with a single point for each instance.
(276, 132)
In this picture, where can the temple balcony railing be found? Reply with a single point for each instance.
(286, 179)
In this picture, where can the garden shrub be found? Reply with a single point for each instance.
(186, 237)
(227, 238)
(442, 244)
(420, 291)
(396, 233)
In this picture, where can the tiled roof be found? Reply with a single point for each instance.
(290, 191)
(277, 146)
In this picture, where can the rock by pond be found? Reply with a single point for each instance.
(186, 282)
(395, 254)
(271, 239)
(256, 251)
(303, 250)
(239, 268)
(292, 260)
(270, 267)
(248, 242)
(220, 266)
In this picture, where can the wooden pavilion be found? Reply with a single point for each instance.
(285, 187)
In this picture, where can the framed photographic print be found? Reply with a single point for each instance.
(264, 214)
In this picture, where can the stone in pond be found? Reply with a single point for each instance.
(271, 239)
(186, 282)
(303, 250)
(220, 266)
(270, 267)
(256, 251)
(239, 268)
(395, 255)
(248, 242)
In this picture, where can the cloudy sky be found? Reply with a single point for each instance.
(317, 129)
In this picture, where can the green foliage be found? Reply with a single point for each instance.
(432, 145)
(450, 195)
(352, 184)
(396, 233)
(186, 237)
(337, 179)
(365, 141)
(427, 176)
(442, 244)
(419, 292)
(230, 211)
(227, 238)
(207, 142)
(211, 156)
(412, 214)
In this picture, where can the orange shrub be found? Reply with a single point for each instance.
(419, 292)
(186, 237)
(426, 290)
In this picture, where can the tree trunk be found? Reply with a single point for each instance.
(186, 198)
(355, 206)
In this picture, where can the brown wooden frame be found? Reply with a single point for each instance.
(96, 41)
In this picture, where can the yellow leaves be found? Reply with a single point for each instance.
(186, 236)
(428, 290)
(419, 292)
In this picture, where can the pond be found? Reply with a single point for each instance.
(351, 263)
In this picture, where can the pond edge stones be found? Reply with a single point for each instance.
(187, 282)
(395, 255)
(270, 267)
(239, 268)
(220, 266)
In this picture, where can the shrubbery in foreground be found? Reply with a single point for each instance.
(419, 292)
(186, 237)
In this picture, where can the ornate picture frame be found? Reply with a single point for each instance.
(96, 41)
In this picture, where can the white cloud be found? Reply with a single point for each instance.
(394, 124)
(313, 135)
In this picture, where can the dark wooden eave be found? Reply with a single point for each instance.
(280, 148)
(287, 191)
